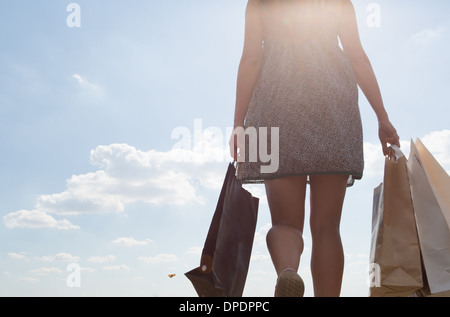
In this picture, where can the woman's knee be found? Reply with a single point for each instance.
(325, 222)
(320, 230)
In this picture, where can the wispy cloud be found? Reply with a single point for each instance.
(429, 36)
(17, 256)
(46, 270)
(60, 257)
(116, 268)
(83, 82)
(130, 242)
(29, 279)
(102, 259)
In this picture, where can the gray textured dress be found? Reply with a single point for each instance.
(308, 90)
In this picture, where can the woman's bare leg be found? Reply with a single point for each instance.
(327, 258)
(286, 197)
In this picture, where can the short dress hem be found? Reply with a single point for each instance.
(260, 180)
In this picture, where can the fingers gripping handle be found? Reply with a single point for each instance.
(396, 152)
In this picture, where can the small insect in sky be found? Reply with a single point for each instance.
(171, 275)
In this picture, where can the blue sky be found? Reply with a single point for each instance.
(88, 172)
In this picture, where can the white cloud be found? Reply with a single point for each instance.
(161, 258)
(29, 279)
(257, 191)
(373, 160)
(438, 143)
(129, 175)
(87, 269)
(17, 256)
(428, 36)
(85, 83)
(60, 257)
(116, 268)
(260, 235)
(130, 242)
(102, 259)
(35, 219)
(46, 270)
(88, 92)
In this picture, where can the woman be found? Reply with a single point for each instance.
(295, 76)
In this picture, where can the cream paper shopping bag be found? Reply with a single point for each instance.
(430, 188)
(438, 178)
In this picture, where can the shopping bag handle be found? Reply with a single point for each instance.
(396, 152)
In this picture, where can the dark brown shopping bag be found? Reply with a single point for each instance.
(226, 254)
(430, 185)
(396, 269)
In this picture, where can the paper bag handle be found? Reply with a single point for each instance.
(396, 152)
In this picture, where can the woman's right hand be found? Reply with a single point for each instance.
(387, 135)
(235, 142)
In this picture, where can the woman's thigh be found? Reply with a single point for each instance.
(286, 198)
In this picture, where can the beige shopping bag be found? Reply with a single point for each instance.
(438, 178)
(430, 187)
(395, 253)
